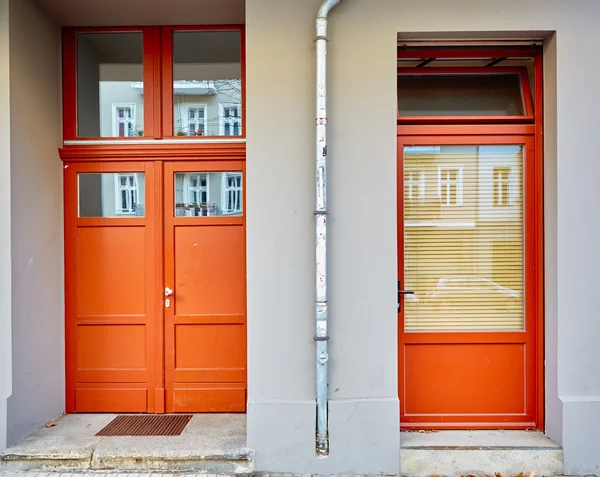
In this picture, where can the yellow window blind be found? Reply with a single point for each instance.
(463, 238)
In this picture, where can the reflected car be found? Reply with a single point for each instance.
(455, 292)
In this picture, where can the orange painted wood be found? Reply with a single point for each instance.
(210, 399)
(205, 332)
(477, 379)
(111, 400)
(110, 309)
(160, 152)
(460, 380)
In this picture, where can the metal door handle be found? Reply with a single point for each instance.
(168, 291)
(402, 292)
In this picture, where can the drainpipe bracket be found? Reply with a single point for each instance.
(320, 37)
(321, 338)
(320, 212)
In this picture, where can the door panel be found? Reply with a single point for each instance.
(111, 318)
(205, 334)
(467, 335)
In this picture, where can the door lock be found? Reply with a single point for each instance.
(168, 291)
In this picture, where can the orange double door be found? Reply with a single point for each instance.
(155, 286)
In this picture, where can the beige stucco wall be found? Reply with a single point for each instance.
(362, 191)
(36, 221)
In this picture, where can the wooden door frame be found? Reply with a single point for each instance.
(441, 131)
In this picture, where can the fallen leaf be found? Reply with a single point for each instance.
(89, 425)
(51, 424)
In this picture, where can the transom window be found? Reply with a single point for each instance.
(157, 82)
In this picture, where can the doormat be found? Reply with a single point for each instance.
(146, 425)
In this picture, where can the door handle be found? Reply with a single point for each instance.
(402, 292)
(168, 291)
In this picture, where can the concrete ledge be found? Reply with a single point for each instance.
(456, 453)
(178, 453)
(65, 453)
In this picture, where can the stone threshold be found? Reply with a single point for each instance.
(478, 453)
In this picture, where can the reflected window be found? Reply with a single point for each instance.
(208, 194)
(110, 85)
(207, 85)
(505, 186)
(230, 119)
(414, 184)
(111, 194)
(450, 185)
(232, 193)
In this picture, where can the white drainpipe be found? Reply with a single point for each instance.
(321, 336)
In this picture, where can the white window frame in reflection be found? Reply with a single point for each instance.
(128, 123)
(445, 184)
(186, 122)
(414, 182)
(229, 122)
(195, 193)
(511, 186)
(132, 192)
(231, 199)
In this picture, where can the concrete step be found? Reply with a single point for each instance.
(192, 453)
(458, 453)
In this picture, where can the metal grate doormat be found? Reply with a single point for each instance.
(146, 425)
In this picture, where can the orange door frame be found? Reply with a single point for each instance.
(474, 131)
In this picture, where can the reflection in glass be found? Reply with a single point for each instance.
(460, 95)
(207, 86)
(463, 238)
(111, 194)
(110, 85)
(207, 194)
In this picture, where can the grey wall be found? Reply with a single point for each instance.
(363, 383)
(36, 221)
(5, 276)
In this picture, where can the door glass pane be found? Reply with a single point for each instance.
(460, 95)
(207, 83)
(463, 238)
(110, 85)
(110, 194)
(208, 194)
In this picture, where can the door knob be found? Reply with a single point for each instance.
(168, 291)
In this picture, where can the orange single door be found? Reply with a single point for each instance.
(205, 287)
(467, 278)
(112, 295)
